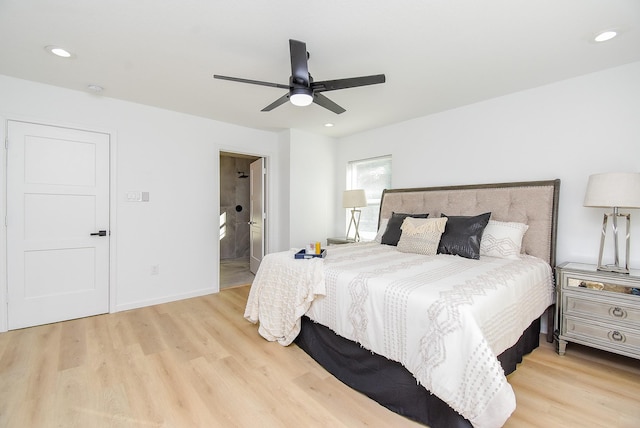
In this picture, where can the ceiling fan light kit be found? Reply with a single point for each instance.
(302, 89)
(301, 97)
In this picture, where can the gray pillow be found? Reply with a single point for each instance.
(462, 235)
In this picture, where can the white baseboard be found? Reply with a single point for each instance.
(165, 299)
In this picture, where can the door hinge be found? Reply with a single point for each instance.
(6, 143)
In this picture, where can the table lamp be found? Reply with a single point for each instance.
(354, 199)
(614, 190)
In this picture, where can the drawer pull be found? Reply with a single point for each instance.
(618, 312)
(616, 336)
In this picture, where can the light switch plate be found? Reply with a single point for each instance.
(136, 196)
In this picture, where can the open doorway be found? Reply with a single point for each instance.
(235, 219)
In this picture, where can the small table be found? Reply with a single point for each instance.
(598, 309)
(338, 241)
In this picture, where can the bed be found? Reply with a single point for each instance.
(431, 337)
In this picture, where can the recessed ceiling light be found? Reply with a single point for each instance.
(58, 51)
(605, 35)
(328, 125)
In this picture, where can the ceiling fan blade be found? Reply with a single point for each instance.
(283, 99)
(299, 66)
(325, 102)
(353, 82)
(253, 82)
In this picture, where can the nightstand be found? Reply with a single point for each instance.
(598, 309)
(336, 241)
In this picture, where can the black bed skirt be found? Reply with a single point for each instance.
(388, 382)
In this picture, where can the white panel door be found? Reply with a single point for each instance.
(57, 204)
(257, 214)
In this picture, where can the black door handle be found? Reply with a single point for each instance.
(100, 233)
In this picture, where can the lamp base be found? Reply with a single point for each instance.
(355, 220)
(615, 267)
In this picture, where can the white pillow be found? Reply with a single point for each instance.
(502, 239)
(421, 235)
(381, 230)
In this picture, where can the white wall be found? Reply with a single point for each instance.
(282, 187)
(566, 130)
(175, 158)
(312, 188)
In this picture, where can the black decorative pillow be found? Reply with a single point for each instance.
(462, 235)
(392, 234)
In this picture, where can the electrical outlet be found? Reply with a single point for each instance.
(155, 269)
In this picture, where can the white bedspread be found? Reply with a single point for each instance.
(445, 318)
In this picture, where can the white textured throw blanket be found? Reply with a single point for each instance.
(445, 318)
(282, 291)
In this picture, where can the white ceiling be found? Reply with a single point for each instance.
(436, 54)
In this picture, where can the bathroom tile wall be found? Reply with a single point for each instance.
(234, 207)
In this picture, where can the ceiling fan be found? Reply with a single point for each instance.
(302, 89)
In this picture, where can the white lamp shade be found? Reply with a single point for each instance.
(614, 189)
(354, 198)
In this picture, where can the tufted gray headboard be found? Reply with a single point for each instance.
(534, 203)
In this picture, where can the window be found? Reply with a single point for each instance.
(373, 175)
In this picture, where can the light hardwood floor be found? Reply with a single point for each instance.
(198, 363)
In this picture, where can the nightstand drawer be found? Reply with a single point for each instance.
(608, 336)
(607, 287)
(606, 310)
